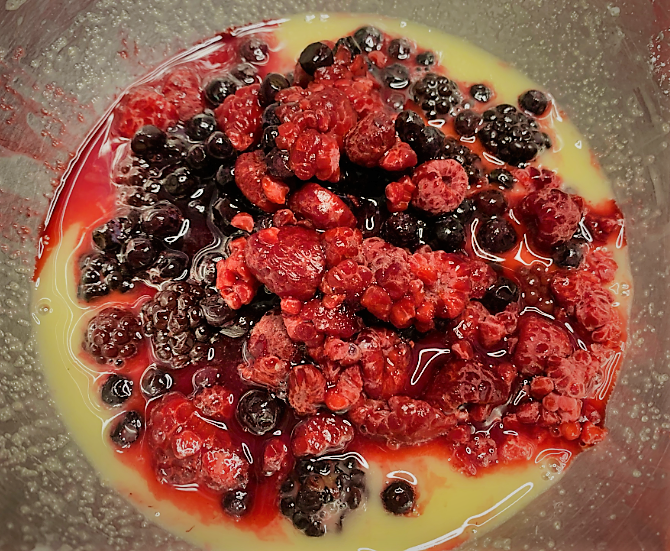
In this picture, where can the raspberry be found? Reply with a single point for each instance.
(539, 339)
(233, 278)
(348, 279)
(516, 448)
(534, 179)
(269, 371)
(601, 263)
(554, 214)
(314, 322)
(582, 293)
(314, 154)
(215, 402)
(390, 265)
(288, 260)
(400, 157)
(565, 408)
(269, 338)
(592, 434)
(140, 107)
(573, 376)
(321, 207)
(113, 336)
(362, 92)
(243, 221)
(250, 174)
(479, 453)
(604, 222)
(321, 434)
(480, 327)
(370, 139)
(275, 456)
(341, 244)
(385, 362)
(441, 186)
(399, 194)
(306, 389)
(401, 421)
(182, 89)
(346, 391)
(239, 116)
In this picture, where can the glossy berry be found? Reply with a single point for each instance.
(496, 235)
(534, 101)
(500, 295)
(162, 220)
(408, 125)
(113, 336)
(430, 144)
(465, 212)
(254, 50)
(155, 382)
(436, 95)
(198, 160)
(369, 217)
(349, 44)
(400, 48)
(245, 73)
(219, 89)
(502, 177)
(449, 234)
(139, 253)
(426, 58)
(116, 390)
(398, 497)
(369, 39)
(169, 265)
(466, 123)
(270, 117)
(126, 431)
(235, 503)
(220, 148)
(100, 275)
(396, 76)
(272, 83)
(180, 182)
(491, 202)
(200, 126)
(173, 152)
(270, 134)
(115, 233)
(568, 254)
(147, 139)
(402, 230)
(277, 161)
(258, 412)
(481, 93)
(471, 162)
(314, 56)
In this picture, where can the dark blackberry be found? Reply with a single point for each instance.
(402, 230)
(502, 177)
(137, 197)
(472, 163)
(449, 234)
(491, 202)
(220, 148)
(155, 382)
(465, 212)
(235, 503)
(568, 254)
(111, 236)
(259, 412)
(180, 182)
(533, 101)
(216, 311)
(100, 275)
(314, 56)
(254, 50)
(131, 171)
(200, 126)
(147, 139)
(219, 89)
(277, 161)
(369, 39)
(172, 153)
(162, 220)
(272, 83)
(409, 125)
(270, 134)
(500, 295)
(245, 73)
(481, 93)
(466, 123)
(399, 497)
(396, 76)
(139, 253)
(270, 117)
(127, 429)
(116, 390)
(400, 48)
(436, 95)
(198, 160)
(369, 217)
(113, 336)
(349, 44)
(496, 235)
(426, 58)
(511, 136)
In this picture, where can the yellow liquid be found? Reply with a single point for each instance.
(452, 505)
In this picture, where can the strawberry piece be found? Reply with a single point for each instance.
(182, 89)
(440, 186)
(240, 116)
(321, 434)
(140, 107)
(321, 207)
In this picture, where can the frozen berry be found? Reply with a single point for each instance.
(396, 76)
(116, 390)
(496, 235)
(220, 148)
(534, 102)
(436, 95)
(180, 182)
(113, 336)
(503, 178)
(219, 89)
(259, 412)
(465, 212)
(409, 125)
(200, 126)
(500, 295)
(466, 123)
(430, 143)
(235, 503)
(568, 254)
(245, 73)
(155, 382)
(162, 220)
(449, 234)
(113, 234)
(270, 134)
(402, 230)
(314, 56)
(491, 202)
(100, 275)
(481, 93)
(127, 429)
(400, 48)
(272, 83)
(147, 139)
(369, 39)
(398, 497)
(426, 58)
(139, 253)
(254, 50)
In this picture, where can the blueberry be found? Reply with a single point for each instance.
(369, 218)
(147, 139)
(200, 126)
(465, 212)
(449, 234)
(315, 529)
(258, 412)
(197, 158)
(254, 50)
(369, 39)
(272, 83)
(568, 255)
(116, 390)
(169, 265)
(155, 382)
(126, 431)
(139, 253)
(400, 48)
(502, 177)
(500, 295)
(534, 102)
(409, 125)
(235, 503)
(496, 235)
(398, 497)
(349, 44)
(270, 117)
(173, 152)
(481, 93)
(314, 56)
(430, 144)
(466, 123)
(491, 202)
(220, 148)
(162, 220)
(277, 161)
(402, 230)
(180, 182)
(245, 73)
(219, 89)
(426, 58)
(216, 311)
(270, 133)
(396, 76)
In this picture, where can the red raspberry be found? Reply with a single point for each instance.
(390, 266)
(289, 260)
(479, 453)
(269, 338)
(233, 278)
(315, 154)
(401, 421)
(516, 447)
(250, 174)
(224, 469)
(541, 386)
(239, 116)
(321, 434)
(284, 217)
(600, 262)
(215, 401)
(140, 107)
(243, 221)
(565, 409)
(554, 214)
(528, 413)
(535, 179)
(385, 362)
(361, 92)
(315, 322)
(275, 457)
(605, 221)
(182, 88)
(582, 293)
(400, 157)
(592, 434)
(269, 371)
(348, 279)
(480, 327)
(370, 139)
(378, 302)
(340, 244)
(321, 207)
(441, 186)
(539, 339)
(346, 391)
(399, 194)
(306, 389)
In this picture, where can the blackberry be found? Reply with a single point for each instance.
(471, 162)
(449, 234)
(219, 89)
(402, 230)
(533, 101)
(400, 48)
(436, 95)
(396, 76)
(116, 390)
(568, 254)
(466, 123)
(319, 493)
(235, 503)
(180, 182)
(369, 39)
(272, 83)
(254, 50)
(111, 236)
(496, 235)
(491, 202)
(399, 497)
(113, 336)
(502, 177)
(500, 295)
(259, 412)
(100, 275)
(245, 73)
(147, 139)
(426, 58)
(155, 382)
(481, 93)
(139, 253)
(511, 136)
(314, 56)
(220, 148)
(137, 197)
(200, 126)
(162, 220)
(127, 429)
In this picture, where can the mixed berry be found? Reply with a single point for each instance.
(301, 237)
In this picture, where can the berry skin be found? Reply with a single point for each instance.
(254, 50)
(201, 126)
(498, 297)
(496, 235)
(481, 93)
(398, 497)
(440, 186)
(400, 48)
(314, 56)
(113, 336)
(402, 230)
(426, 58)
(491, 202)
(369, 39)
(436, 95)
(501, 177)
(272, 83)
(259, 412)
(155, 382)
(466, 123)
(219, 89)
(373, 136)
(449, 234)
(147, 140)
(116, 390)
(533, 101)
(127, 430)
(321, 207)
